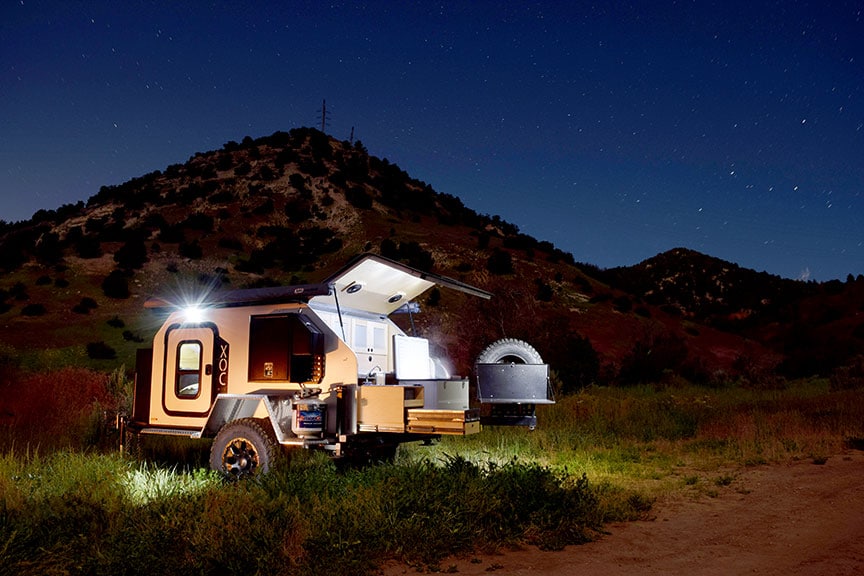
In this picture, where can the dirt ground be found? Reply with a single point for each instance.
(802, 518)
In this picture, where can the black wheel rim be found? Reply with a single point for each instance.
(240, 458)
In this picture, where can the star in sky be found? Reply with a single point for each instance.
(614, 131)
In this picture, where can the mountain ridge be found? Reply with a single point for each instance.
(294, 206)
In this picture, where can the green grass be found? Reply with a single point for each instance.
(88, 513)
(598, 456)
(646, 438)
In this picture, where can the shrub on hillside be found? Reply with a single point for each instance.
(267, 173)
(358, 197)
(500, 262)
(33, 310)
(651, 357)
(85, 305)
(579, 366)
(19, 292)
(225, 162)
(171, 233)
(622, 304)
(48, 248)
(230, 243)
(571, 355)
(191, 250)
(412, 253)
(434, 298)
(849, 377)
(88, 247)
(132, 255)
(317, 241)
(199, 221)
(298, 182)
(115, 285)
(100, 351)
(13, 251)
(265, 208)
(319, 143)
(130, 336)
(298, 210)
(338, 179)
(251, 265)
(544, 290)
(285, 156)
(221, 197)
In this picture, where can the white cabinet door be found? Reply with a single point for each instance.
(369, 341)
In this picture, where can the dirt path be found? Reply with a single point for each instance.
(801, 518)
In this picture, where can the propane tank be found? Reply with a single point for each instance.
(308, 416)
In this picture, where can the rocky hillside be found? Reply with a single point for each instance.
(816, 327)
(293, 207)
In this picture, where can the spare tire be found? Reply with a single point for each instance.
(509, 351)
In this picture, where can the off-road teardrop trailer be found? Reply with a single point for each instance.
(314, 366)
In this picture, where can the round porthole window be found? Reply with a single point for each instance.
(395, 298)
(354, 288)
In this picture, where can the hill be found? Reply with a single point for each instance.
(816, 327)
(293, 207)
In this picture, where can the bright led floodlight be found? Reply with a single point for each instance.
(193, 315)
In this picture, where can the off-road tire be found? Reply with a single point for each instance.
(509, 351)
(244, 448)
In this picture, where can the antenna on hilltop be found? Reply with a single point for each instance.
(324, 116)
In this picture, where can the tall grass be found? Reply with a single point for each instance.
(67, 507)
(65, 408)
(630, 436)
(79, 513)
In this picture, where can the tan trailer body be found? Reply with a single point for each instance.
(316, 366)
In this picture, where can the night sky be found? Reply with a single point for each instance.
(614, 130)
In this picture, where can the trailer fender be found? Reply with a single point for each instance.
(230, 407)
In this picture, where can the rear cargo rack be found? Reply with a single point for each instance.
(514, 384)
(509, 393)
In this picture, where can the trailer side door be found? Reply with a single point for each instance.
(189, 385)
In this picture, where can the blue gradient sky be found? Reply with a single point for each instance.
(615, 132)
